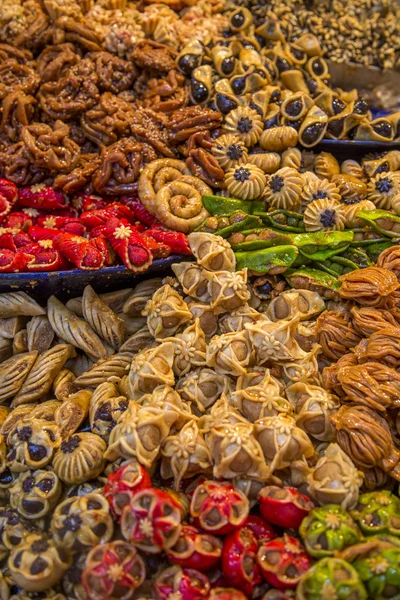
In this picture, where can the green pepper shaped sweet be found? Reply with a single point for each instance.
(373, 250)
(337, 266)
(249, 222)
(331, 579)
(328, 529)
(283, 219)
(266, 238)
(378, 512)
(306, 278)
(220, 205)
(383, 221)
(323, 254)
(273, 260)
(380, 572)
(311, 242)
(358, 257)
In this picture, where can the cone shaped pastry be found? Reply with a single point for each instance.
(297, 106)
(380, 130)
(313, 128)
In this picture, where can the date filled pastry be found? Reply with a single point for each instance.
(246, 181)
(313, 406)
(16, 304)
(229, 151)
(279, 138)
(166, 312)
(283, 189)
(212, 252)
(79, 523)
(106, 406)
(35, 493)
(37, 564)
(313, 128)
(31, 444)
(326, 165)
(207, 318)
(185, 454)
(281, 441)
(324, 215)
(151, 368)
(40, 334)
(295, 303)
(268, 162)
(41, 376)
(302, 368)
(189, 349)
(380, 130)
(371, 286)
(228, 291)
(178, 204)
(296, 106)
(351, 211)
(103, 320)
(202, 387)
(383, 188)
(13, 373)
(261, 400)
(335, 479)
(235, 451)
(70, 415)
(166, 401)
(318, 189)
(230, 353)
(80, 458)
(245, 123)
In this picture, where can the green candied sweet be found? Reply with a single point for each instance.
(383, 221)
(269, 260)
(328, 529)
(285, 220)
(378, 512)
(331, 579)
(373, 250)
(337, 265)
(220, 205)
(380, 573)
(305, 278)
(358, 257)
(264, 238)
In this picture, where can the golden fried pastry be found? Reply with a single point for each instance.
(80, 458)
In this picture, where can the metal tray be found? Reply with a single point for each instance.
(67, 284)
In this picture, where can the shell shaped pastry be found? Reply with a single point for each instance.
(141, 294)
(41, 376)
(245, 123)
(193, 280)
(352, 167)
(185, 454)
(79, 523)
(228, 291)
(70, 415)
(35, 493)
(283, 189)
(268, 162)
(292, 158)
(178, 204)
(229, 151)
(254, 79)
(382, 188)
(313, 127)
(37, 564)
(138, 435)
(350, 212)
(230, 353)
(330, 103)
(19, 304)
(277, 139)
(40, 334)
(13, 373)
(319, 189)
(151, 368)
(189, 349)
(104, 321)
(80, 458)
(116, 366)
(326, 165)
(212, 252)
(155, 175)
(296, 106)
(225, 98)
(350, 187)
(31, 444)
(14, 529)
(166, 312)
(236, 452)
(202, 387)
(73, 330)
(190, 56)
(324, 215)
(106, 407)
(224, 60)
(245, 181)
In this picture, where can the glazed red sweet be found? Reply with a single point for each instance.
(152, 520)
(42, 196)
(128, 244)
(8, 197)
(225, 593)
(185, 584)
(263, 531)
(123, 483)
(67, 224)
(239, 560)
(114, 570)
(195, 549)
(13, 262)
(217, 507)
(285, 506)
(80, 251)
(283, 561)
(176, 240)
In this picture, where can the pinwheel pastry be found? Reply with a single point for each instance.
(229, 151)
(81, 522)
(246, 124)
(166, 312)
(324, 215)
(383, 188)
(80, 458)
(283, 189)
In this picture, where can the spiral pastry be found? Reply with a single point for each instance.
(318, 189)
(324, 215)
(155, 175)
(245, 123)
(269, 162)
(229, 151)
(350, 212)
(246, 181)
(382, 188)
(179, 205)
(283, 189)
